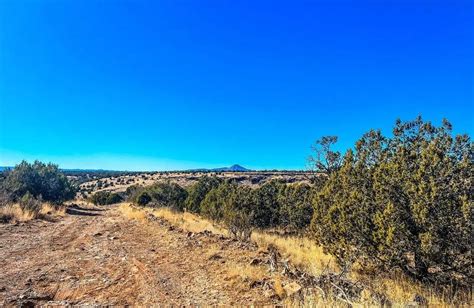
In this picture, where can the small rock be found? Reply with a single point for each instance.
(292, 288)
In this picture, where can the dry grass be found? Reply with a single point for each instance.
(131, 212)
(278, 287)
(401, 290)
(187, 221)
(246, 272)
(300, 251)
(48, 209)
(14, 213)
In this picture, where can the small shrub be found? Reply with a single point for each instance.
(105, 198)
(143, 198)
(28, 203)
(37, 179)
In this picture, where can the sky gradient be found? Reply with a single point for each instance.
(165, 85)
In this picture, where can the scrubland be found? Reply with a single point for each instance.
(388, 223)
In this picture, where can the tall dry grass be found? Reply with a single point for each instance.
(301, 251)
(131, 212)
(14, 212)
(187, 221)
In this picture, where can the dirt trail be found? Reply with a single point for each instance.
(97, 256)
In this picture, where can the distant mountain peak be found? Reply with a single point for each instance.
(237, 168)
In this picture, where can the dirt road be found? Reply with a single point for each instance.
(97, 256)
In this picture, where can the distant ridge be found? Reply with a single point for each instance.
(233, 168)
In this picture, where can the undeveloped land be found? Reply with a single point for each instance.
(98, 256)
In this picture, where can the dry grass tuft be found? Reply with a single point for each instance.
(14, 213)
(49, 209)
(187, 221)
(131, 212)
(278, 288)
(246, 272)
(300, 251)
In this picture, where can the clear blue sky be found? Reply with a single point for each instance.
(153, 85)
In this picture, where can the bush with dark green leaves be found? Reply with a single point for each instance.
(161, 195)
(217, 200)
(231, 204)
(265, 204)
(295, 206)
(198, 191)
(143, 198)
(106, 198)
(41, 181)
(404, 201)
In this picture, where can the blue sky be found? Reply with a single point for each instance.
(154, 85)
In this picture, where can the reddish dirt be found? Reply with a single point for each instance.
(96, 256)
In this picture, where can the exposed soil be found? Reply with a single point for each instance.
(97, 256)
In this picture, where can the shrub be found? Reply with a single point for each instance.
(28, 203)
(106, 198)
(198, 191)
(143, 198)
(404, 201)
(238, 213)
(38, 179)
(162, 195)
(265, 205)
(296, 208)
(216, 201)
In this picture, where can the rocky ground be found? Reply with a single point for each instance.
(98, 256)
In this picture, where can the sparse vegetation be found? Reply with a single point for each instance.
(393, 215)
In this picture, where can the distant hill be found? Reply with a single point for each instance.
(233, 168)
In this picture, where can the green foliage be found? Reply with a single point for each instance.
(198, 191)
(217, 201)
(404, 201)
(143, 198)
(238, 215)
(265, 205)
(29, 203)
(161, 195)
(41, 180)
(106, 198)
(296, 208)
